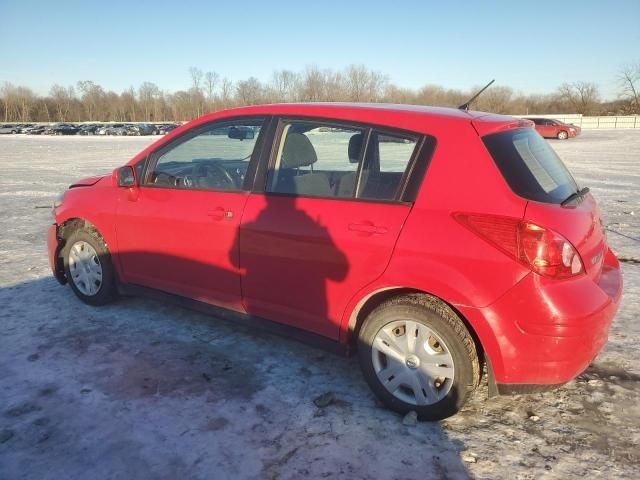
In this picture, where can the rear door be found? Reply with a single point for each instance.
(326, 223)
(178, 231)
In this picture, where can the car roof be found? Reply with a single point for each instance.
(410, 117)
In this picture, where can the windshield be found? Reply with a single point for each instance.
(530, 166)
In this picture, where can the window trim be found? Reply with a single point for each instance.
(256, 155)
(408, 175)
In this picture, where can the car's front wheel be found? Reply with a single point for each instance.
(88, 267)
(417, 354)
(562, 135)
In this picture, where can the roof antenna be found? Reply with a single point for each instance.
(465, 106)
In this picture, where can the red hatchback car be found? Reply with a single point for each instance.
(431, 241)
(551, 128)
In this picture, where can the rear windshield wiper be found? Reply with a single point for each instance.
(575, 196)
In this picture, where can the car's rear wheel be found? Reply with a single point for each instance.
(417, 354)
(562, 135)
(88, 267)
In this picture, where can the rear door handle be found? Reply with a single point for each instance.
(220, 213)
(368, 228)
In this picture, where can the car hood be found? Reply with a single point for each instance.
(87, 182)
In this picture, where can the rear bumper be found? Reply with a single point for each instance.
(544, 332)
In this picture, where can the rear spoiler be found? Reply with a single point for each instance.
(488, 124)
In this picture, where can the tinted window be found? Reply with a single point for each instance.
(530, 166)
(387, 159)
(215, 159)
(317, 159)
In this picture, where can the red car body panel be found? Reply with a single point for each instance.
(533, 329)
(151, 231)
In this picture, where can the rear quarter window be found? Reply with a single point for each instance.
(530, 166)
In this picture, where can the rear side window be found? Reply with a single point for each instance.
(530, 166)
(388, 156)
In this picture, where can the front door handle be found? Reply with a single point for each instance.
(220, 213)
(367, 228)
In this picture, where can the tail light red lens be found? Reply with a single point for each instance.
(542, 250)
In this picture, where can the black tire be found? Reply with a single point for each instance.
(106, 292)
(562, 135)
(444, 322)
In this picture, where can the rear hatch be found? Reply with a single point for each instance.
(535, 172)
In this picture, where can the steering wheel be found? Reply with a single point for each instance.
(164, 178)
(214, 171)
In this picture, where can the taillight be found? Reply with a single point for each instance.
(542, 250)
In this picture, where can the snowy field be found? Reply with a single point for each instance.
(140, 389)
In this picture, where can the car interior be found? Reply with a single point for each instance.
(298, 169)
(296, 173)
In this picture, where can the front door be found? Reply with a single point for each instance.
(178, 231)
(327, 223)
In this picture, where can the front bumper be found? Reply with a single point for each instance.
(53, 247)
(546, 332)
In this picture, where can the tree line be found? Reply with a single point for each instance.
(209, 92)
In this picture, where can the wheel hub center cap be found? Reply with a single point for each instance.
(412, 361)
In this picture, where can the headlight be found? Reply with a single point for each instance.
(58, 200)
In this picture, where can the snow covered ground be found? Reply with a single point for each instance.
(140, 389)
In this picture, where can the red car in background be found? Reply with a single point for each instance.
(432, 241)
(551, 128)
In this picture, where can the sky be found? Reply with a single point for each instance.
(532, 47)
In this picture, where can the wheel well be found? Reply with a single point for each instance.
(71, 225)
(371, 302)
(65, 230)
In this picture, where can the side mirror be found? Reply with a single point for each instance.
(126, 177)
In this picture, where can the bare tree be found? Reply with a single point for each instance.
(62, 98)
(312, 85)
(283, 86)
(147, 95)
(629, 86)
(226, 92)
(92, 100)
(210, 83)
(8, 99)
(495, 99)
(250, 91)
(581, 97)
(196, 77)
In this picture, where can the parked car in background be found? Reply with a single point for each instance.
(353, 225)
(62, 129)
(104, 128)
(35, 130)
(141, 129)
(551, 128)
(8, 129)
(164, 129)
(22, 127)
(88, 129)
(122, 131)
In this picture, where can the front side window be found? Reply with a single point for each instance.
(216, 158)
